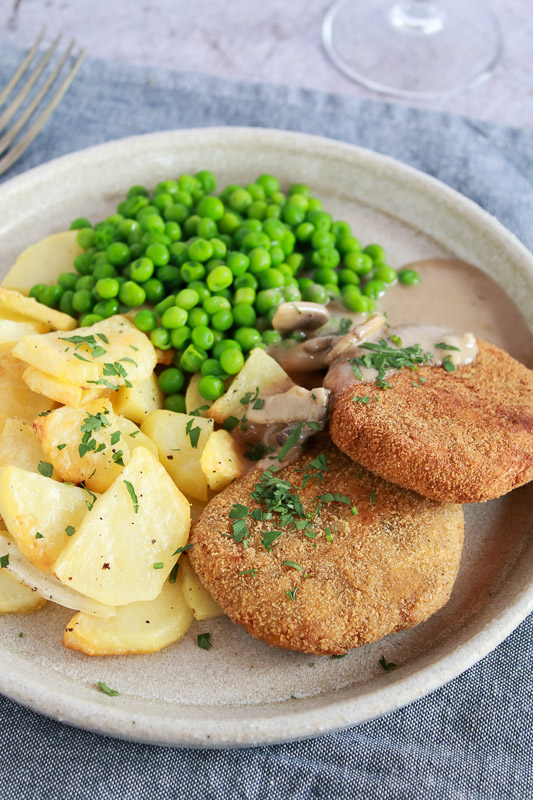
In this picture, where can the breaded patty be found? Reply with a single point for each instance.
(463, 436)
(370, 558)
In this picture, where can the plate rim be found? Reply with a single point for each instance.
(405, 687)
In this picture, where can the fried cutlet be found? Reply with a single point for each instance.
(462, 437)
(341, 559)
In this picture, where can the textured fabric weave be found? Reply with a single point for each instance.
(470, 740)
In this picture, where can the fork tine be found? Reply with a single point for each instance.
(10, 157)
(21, 96)
(8, 137)
(6, 91)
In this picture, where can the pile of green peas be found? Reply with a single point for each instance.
(207, 272)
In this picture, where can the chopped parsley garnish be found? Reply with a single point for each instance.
(183, 549)
(133, 496)
(238, 511)
(329, 534)
(198, 411)
(340, 655)
(81, 358)
(38, 535)
(115, 436)
(444, 346)
(383, 356)
(106, 690)
(92, 424)
(373, 498)
(45, 413)
(117, 458)
(159, 565)
(203, 641)
(69, 530)
(345, 325)
(193, 433)
(230, 423)
(173, 573)
(292, 564)
(251, 572)
(61, 446)
(4, 561)
(291, 593)
(354, 511)
(387, 665)
(256, 453)
(45, 469)
(292, 439)
(258, 405)
(241, 532)
(334, 497)
(365, 399)
(250, 397)
(269, 537)
(135, 433)
(448, 364)
(103, 338)
(88, 503)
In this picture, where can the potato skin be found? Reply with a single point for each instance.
(461, 437)
(387, 568)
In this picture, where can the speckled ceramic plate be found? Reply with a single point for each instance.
(242, 692)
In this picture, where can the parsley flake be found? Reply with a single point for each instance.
(134, 500)
(292, 564)
(292, 439)
(183, 549)
(45, 469)
(38, 535)
(203, 641)
(106, 690)
(193, 433)
(69, 530)
(4, 561)
(291, 593)
(387, 665)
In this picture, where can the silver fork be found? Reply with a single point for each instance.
(9, 156)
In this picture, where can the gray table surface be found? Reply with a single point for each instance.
(274, 41)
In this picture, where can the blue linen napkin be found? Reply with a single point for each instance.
(471, 739)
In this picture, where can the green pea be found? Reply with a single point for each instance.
(268, 299)
(341, 229)
(179, 337)
(188, 183)
(207, 181)
(210, 207)
(214, 303)
(192, 358)
(201, 289)
(238, 263)
(272, 337)
(155, 291)
(409, 277)
(260, 260)
(51, 295)
(222, 320)
(141, 270)
(200, 250)
(254, 239)
(175, 402)
(315, 293)
(247, 337)
(271, 279)
(257, 210)
(376, 253)
(246, 282)
(90, 319)
(104, 271)
(131, 294)
(197, 317)
(202, 337)
(187, 299)
(219, 246)
(232, 361)
(151, 222)
(292, 214)
(83, 264)
(229, 222)
(68, 280)
(79, 222)
(245, 295)
(374, 289)
(268, 183)
(85, 238)
(177, 212)
(85, 282)
(192, 271)
(211, 366)
(174, 317)
(107, 308)
(171, 380)
(168, 302)
(239, 200)
(360, 263)
(107, 287)
(244, 314)
(385, 273)
(347, 276)
(353, 300)
(256, 190)
(326, 258)
(291, 294)
(82, 301)
(136, 191)
(325, 275)
(288, 242)
(219, 278)
(163, 199)
(173, 230)
(210, 387)
(348, 244)
(320, 219)
(225, 344)
(145, 320)
(169, 274)
(118, 253)
(65, 303)
(160, 337)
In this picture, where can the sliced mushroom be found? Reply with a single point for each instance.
(296, 405)
(299, 316)
(349, 343)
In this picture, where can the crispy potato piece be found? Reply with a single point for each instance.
(16, 400)
(138, 400)
(222, 461)
(107, 355)
(40, 513)
(169, 618)
(260, 376)
(19, 446)
(62, 392)
(43, 262)
(65, 430)
(126, 545)
(16, 598)
(196, 595)
(12, 330)
(46, 586)
(180, 440)
(30, 308)
(194, 402)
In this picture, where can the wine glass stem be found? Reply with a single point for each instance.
(417, 16)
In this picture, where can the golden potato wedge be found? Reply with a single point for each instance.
(126, 545)
(261, 376)
(40, 514)
(91, 444)
(138, 400)
(222, 460)
(19, 446)
(180, 440)
(109, 354)
(16, 399)
(30, 308)
(141, 627)
(196, 595)
(43, 262)
(16, 598)
(47, 586)
(194, 402)
(12, 330)
(62, 392)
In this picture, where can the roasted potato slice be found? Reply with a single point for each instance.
(142, 627)
(19, 446)
(138, 400)
(109, 354)
(90, 444)
(196, 595)
(261, 376)
(12, 330)
(126, 545)
(30, 308)
(62, 392)
(16, 598)
(222, 461)
(40, 514)
(43, 262)
(16, 399)
(180, 440)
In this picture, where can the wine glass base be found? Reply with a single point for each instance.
(441, 48)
